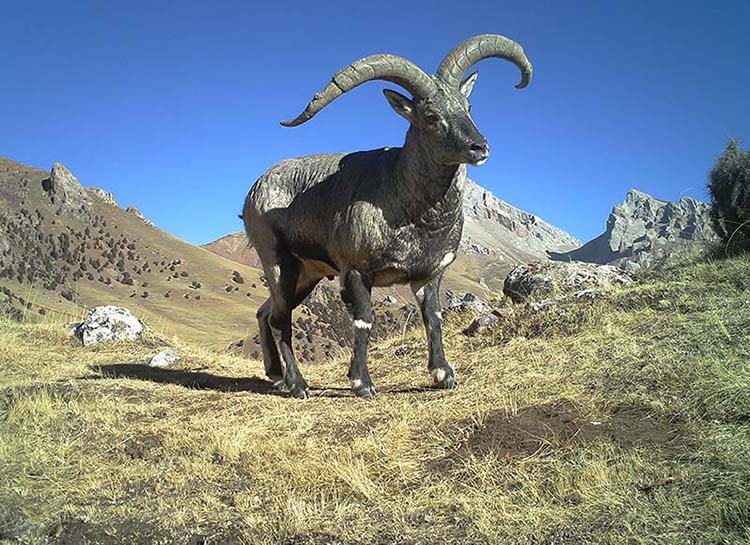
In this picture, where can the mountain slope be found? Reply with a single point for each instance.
(64, 248)
(494, 227)
(644, 232)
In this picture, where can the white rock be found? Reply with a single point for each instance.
(109, 323)
(165, 358)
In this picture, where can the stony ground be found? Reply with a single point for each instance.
(624, 420)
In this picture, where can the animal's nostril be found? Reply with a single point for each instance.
(478, 146)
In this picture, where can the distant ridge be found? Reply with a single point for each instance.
(644, 232)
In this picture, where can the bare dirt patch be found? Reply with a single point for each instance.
(535, 428)
(528, 431)
(79, 532)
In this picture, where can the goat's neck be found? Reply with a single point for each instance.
(424, 188)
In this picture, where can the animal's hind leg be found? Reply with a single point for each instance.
(283, 282)
(271, 360)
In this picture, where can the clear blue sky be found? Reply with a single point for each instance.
(174, 106)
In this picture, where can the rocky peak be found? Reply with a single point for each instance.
(65, 191)
(643, 232)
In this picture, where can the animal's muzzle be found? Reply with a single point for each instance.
(479, 152)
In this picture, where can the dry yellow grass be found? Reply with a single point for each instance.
(623, 421)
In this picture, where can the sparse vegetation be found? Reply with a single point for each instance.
(626, 421)
(729, 187)
(100, 255)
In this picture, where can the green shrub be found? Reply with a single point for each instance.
(729, 187)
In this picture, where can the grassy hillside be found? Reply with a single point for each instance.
(620, 421)
(54, 263)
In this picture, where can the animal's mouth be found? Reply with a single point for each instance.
(479, 159)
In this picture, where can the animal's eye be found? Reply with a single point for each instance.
(431, 119)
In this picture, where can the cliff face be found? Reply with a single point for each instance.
(494, 227)
(644, 232)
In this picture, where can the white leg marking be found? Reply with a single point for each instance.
(439, 315)
(438, 374)
(447, 259)
(356, 383)
(419, 294)
(361, 324)
(276, 273)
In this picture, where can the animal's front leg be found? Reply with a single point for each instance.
(428, 297)
(355, 292)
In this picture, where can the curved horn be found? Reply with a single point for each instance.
(382, 66)
(473, 50)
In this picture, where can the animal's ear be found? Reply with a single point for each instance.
(402, 105)
(467, 85)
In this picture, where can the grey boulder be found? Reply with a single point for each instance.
(545, 279)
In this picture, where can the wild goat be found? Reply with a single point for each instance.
(374, 218)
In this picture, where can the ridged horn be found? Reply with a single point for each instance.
(483, 46)
(386, 67)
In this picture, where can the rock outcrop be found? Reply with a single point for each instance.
(137, 213)
(165, 358)
(103, 195)
(65, 191)
(543, 279)
(462, 302)
(108, 324)
(644, 232)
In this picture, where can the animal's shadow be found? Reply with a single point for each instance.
(197, 380)
(200, 380)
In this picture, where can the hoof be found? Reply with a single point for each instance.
(300, 392)
(445, 379)
(363, 389)
(280, 385)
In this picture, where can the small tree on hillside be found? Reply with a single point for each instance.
(729, 187)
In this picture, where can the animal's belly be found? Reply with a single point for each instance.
(315, 259)
(389, 277)
(315, 268)
(421, 270)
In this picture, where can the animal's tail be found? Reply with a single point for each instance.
(245, 216)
